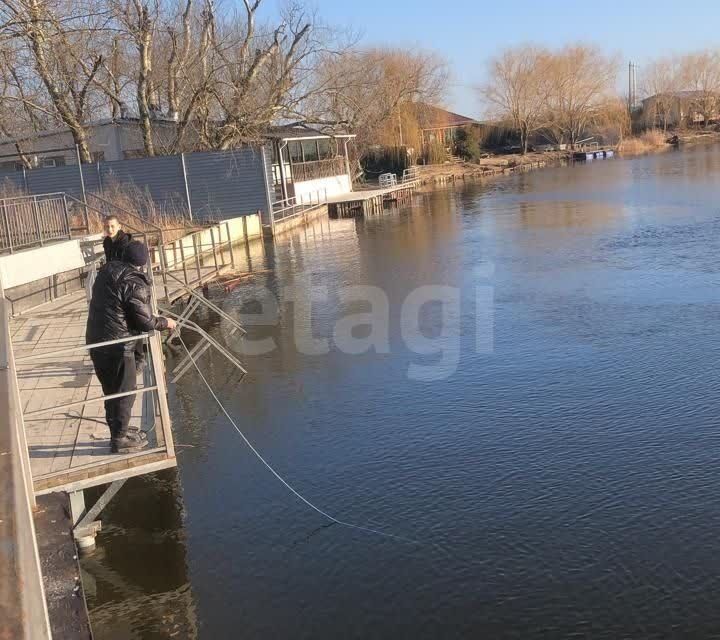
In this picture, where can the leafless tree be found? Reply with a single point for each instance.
(374, 92)
(518, 90)
(581, 79)
(700, 73)
(661, 82)
(57, 42)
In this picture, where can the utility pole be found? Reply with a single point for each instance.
(632, 86)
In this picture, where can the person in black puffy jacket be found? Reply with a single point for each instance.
(116, 240)
(120, 308)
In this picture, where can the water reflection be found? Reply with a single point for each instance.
(136, 581)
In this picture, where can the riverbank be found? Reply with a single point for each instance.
(658, 141)
(649, 142)
(489, 167)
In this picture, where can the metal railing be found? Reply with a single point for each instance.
(411, 174)
(24, 585)
(315, 169)
(157, 386)
(291, 207)
(190, 256)
(387, 180)
(28, 221)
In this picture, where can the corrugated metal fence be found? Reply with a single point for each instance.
(211, 184)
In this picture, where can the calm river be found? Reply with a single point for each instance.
(549, 434)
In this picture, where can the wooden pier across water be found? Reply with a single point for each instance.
(369, 201)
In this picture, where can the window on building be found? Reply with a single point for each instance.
(11, 165)
(325, 149)
(295, 151)
(310, 152)
(52, 161)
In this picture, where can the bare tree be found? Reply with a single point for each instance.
(581, 80)
(661, 82)
(517, 90)
(18, 92)
(374, 92)
(57, 41)
(262, 71)
(700, 72)
(612, 120)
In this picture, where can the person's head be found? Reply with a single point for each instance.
(111, 225)
(136, 254)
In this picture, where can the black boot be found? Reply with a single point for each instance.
(128, 444)
(137, 432)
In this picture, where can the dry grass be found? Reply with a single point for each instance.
(650, 141)
(9, 189)
(137, 211)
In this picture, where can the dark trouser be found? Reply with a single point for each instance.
(140, 351)
(116, 371)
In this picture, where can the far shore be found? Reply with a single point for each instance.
(497, 165)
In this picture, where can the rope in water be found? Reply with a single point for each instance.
(276, 474)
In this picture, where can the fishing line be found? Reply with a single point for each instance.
(350, 525)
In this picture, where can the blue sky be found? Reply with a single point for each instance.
(468, 33)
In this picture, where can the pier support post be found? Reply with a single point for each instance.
(85, 527)
(84, 537)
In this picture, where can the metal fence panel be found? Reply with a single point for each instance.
(225, 184)
(54, 179)
(220, 184)
(160, 177)
(30, 221)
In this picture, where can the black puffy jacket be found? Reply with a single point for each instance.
(114, 248)
(120, 306)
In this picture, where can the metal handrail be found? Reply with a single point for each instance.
(185, 322)
(82, 403)
(298, 207)
(411, 174)
(27, 221)
(210, 305)
(52, 193)
(82, 347)
(26, 591)
(159, 386)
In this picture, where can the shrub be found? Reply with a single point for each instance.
(650, 140)
(435, 153)
(468, 144)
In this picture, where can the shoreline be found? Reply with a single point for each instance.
(497, 166)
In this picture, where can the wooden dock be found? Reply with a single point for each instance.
(70, 447)
(369, 201)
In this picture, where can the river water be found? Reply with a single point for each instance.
(547, 433)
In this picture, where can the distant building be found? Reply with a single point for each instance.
(440, 125)
(312, 162)
(109, 140)
(674, 108)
